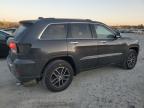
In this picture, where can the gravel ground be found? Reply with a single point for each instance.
(107, 87)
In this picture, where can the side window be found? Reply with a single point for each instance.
(81, 31)
(55, 31)
(103, 32)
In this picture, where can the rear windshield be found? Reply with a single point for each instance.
(20, 30)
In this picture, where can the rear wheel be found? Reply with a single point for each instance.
(131, 59)
(58, 75)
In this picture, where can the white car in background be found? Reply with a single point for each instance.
(10, 30)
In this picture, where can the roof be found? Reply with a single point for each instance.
(67, 20)
(57, 20)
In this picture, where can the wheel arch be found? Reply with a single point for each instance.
(65, 58)
(136, 48)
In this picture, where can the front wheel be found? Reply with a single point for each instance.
(58, 75)
(131, 59)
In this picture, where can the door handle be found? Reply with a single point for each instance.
(74, 42)
(103, 41)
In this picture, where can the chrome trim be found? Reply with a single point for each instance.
(103, 41)
(100, 56)
(80, 38)
(39, 37)
(74, 42)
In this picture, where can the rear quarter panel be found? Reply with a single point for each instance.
(43, 51)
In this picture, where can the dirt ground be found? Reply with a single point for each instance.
(107, 87)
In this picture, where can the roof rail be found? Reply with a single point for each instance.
(45, 18)
(40, 18)
(88, 20)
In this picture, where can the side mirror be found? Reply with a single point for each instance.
(117, 35)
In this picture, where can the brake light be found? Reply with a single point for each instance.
(13, 47)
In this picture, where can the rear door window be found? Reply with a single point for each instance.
(80, 31)
(54, 32)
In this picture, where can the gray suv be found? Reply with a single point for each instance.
(54, 50)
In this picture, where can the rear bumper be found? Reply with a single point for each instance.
(23, 70)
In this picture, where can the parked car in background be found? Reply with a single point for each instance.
(54, 50)
(10, 30)
(140, 31)
(125, 31)
(4, 49)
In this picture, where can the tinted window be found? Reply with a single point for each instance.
(103, 32)
(55, 31)
(20, 30)
(80, 31)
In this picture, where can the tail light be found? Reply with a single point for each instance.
(12, 46)
(18, 48)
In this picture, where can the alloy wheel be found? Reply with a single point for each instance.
(60, 77)
(131, 60)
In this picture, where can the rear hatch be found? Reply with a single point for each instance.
(23, 29)
(16, 44)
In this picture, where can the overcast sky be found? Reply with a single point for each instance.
(112, 12)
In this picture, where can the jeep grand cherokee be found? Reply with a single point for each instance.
(54, 50)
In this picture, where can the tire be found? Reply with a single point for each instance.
(58, 75)
(130, 60)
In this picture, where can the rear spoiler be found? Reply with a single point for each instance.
(28, 22)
